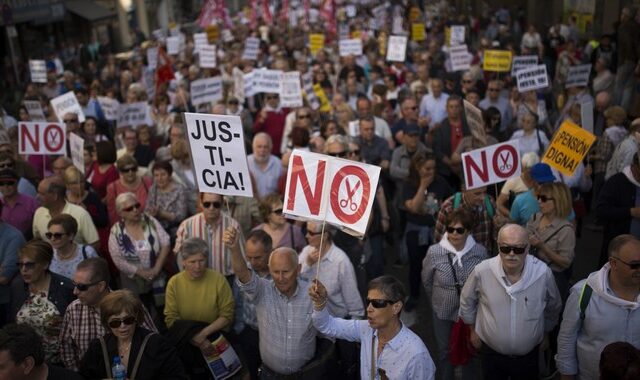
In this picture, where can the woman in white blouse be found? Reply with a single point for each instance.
(531, 139)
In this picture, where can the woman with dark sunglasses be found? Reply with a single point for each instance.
(129, 181)
(444, 271)
(283, 233)
(67, 254)
(145, 354)
(40, 297)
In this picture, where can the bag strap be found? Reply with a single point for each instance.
(139, 357)
(455, 276)
(457, 199)
(373, 364)
(540, 150)
(84, 251)
(555, 232)
(585, 297)
(105, 357)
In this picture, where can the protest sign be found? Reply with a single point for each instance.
(110, 107)
(199, 40)
(578, 76)
(42, 138)
(354, 128)
(497, 60)
(251, 48)
(152, 57)
(586, 115)
(569, 145)
(310, 95)
(521, 61)
(238, 84)
(418, 32)
(351, 47)
(325, 106)
(340, 191)
(158, 34)
(133, 114)
(34, 109)
(219, 157)
(173, 45)
(67, 103)
(457, 35)
(316, 42)
(532, 78)
(149, 81)
(208, 56)
(397, 48)
(396, 26)
(38, 69)
(291, 94)
(492, 164)
(269, 81)
(475, 121)
(207, 90)
(77, 151)
(460, 58)
(249, 84)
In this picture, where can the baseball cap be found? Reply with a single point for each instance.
(541, 173)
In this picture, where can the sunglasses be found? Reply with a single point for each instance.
(632, 266)
(354, 152)
(379, 304)
(277, 211)
(27, 265)
(2, 166)
(55, 235)
(115, 323)
(129, 170)
(304, 116)
(313, 233)
(131, 208)
(84, 287)
(7, 183)
(544, 198)
(215, 204)
(338, 154)
(506, 249)
(458, 230)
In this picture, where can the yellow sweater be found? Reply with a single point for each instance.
(204, 299)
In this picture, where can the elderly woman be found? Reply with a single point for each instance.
(40, 297)
(145, 354)
(283, 233)
(67, 254)
(529, 136)
(139, 247)
(182, 168)
(130, 181)
(167, 200)
(444, 272)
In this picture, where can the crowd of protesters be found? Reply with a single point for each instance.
(125, 258)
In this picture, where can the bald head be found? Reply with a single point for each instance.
(513, 232)
(603, 99)
(283, 255)
(262, 146)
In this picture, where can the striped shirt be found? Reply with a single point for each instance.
(287, 336)
(197, 227)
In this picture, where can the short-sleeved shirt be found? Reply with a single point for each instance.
(87, 233)
(67, 268)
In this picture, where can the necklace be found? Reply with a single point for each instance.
(124, 351)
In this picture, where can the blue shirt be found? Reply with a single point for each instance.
(403, 357)
(11, 240)
(525, 206)
(267, 179)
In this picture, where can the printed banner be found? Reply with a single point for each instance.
(67, 103)
(397, 48)
(492, 164)
(42, 138)
(532, 78)
(38, 69)
(208, 90)
(351, 47)
(291, 94)
(133, 114)
(497, 60)
(578, 76)
(569, 145)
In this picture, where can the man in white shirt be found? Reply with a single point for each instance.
(264, 167)
(434, 104)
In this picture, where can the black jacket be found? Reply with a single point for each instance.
(60, 294)
(616, 198)
(442, 144)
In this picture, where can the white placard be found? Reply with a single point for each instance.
(208, 56)
(249, 84)
(396, 26)
(34, 109)
(354, 128)
(199, 40)
(586, 114)
(340, 191)
(460, 58)
(522, 61)
(173, 45)
(291, 94)
(578, 76)
(492, 164)
(219, 157)
(310, 95)
(532, 78)
(397, 47)
(457, 35)
(238, 84)
(227, 36)
(67, 103)
(159, 34)
(206, 90)
(474, 120)
(77, 151)
(351, 10)
(133, 114)
(269, 81)
(38, 69)
(152, 58)
(251, 49)
(149, 80)
(351, 46)
(110, 107)
(42, 138)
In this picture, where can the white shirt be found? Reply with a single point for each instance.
(436, 108)
(530, 143)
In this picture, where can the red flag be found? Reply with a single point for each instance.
(266, 13)
(164, 70)
(284, 11)
(328, 12)
(253, 19)
(221, 12)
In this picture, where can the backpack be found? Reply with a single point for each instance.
(457, 200)
(583, 302)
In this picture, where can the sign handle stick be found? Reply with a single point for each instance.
(324, 222)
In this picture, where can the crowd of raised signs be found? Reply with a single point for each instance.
(111, 252)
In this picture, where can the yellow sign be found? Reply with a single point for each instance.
(382, 43)
(355, 34)
(418, 32)
(497, 60)
(316, 42)
(569, 146)
(414, 14)
(325, 106)
(213, 33)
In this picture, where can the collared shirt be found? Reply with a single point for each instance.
(81, 324)
(249, 308)
(267, 178)
(87, 233)
(287, 336)
(20, 215)
(403, 357)
(374, 151)
(196, 226)
(401, 160)
(435, 108)
(339, 277)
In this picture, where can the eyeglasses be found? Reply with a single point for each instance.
(355, 152)
(338, 154)
(506, 249)
(277, 211)
(27, 265)
(129, 169)
(55, 235)
(313, 233)
(632, 266)
(84, 287)
(133, 207)
(458, 230)
(215, 204)
(272, 97)
(304, 116)
(378, 304)
(115, 323)
(543, 198)
(7, 183)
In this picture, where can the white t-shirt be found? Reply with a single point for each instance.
(530, 143)
(67, 268)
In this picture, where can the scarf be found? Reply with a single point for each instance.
(468, 245)
(627, 172)
(532, 271)
(599, 282)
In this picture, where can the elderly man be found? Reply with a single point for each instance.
(602, 309)
(81, 323)
(389, 349)
(510, 303)
(52, 194)
(209, 226)
(265, 168)
(287, 337)
(494, 99)
(373, 148)
(434, 104)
